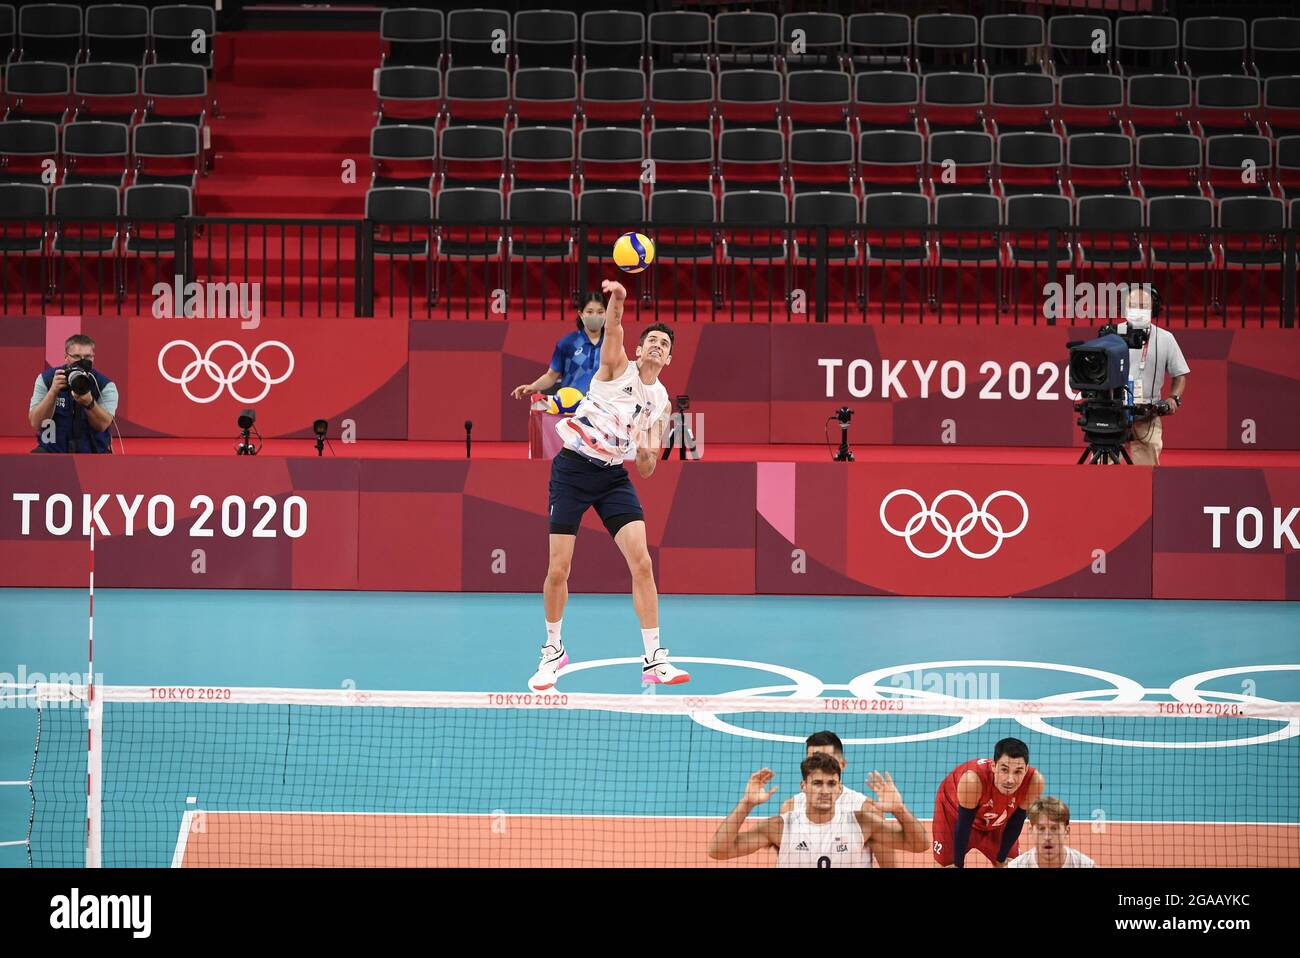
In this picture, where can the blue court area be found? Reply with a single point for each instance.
(539, 763)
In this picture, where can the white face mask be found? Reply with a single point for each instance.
(1138, 318)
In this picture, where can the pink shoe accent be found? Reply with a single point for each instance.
(649, 678)
(563, 662)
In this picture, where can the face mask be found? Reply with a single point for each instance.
(1138, 318)
(83, 364)
(593, 323)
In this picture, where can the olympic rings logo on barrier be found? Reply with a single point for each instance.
(867, 687)
(224, 380)
(930, 514)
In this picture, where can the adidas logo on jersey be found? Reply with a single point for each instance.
(801, 847)
(628, 390)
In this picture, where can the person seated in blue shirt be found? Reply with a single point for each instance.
(577, 355)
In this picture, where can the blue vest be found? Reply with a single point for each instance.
(70, 419)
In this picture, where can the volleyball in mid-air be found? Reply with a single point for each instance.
(564, 402)
(633, 252)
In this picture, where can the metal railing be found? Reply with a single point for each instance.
(878, 274)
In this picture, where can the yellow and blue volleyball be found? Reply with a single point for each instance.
(633, 252)
(564, 402)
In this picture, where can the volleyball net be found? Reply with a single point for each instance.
(257, 777)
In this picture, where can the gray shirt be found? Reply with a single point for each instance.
(1163, 356)
(107, 399)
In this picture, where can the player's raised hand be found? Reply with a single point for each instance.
(614, 290)
(759, 788)
(887, 797)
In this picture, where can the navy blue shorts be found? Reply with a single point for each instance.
(577, 483)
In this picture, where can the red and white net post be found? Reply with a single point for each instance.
(94, 736)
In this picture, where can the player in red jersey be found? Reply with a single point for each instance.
(981, 804)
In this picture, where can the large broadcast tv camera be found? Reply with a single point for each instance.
(1099, 371)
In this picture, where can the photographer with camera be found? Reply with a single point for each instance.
(78, 400)
(1153, 354)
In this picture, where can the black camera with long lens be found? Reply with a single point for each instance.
(79, 379)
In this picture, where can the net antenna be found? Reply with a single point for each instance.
(95, 734)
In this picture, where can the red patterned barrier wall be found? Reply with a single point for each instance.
(968, 385)
(727, 528)
(347, 524)
(906, 529)
(999, 386)
(723, 528)
(1227, 532)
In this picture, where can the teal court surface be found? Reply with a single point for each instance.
(291, 779)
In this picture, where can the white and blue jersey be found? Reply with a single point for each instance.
(608, 422)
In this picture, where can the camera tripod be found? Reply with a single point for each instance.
(679, 434)
(1104, 454)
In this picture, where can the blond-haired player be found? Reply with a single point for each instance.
(1049, 826)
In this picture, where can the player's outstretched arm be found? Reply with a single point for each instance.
(904, 832)
(613, 359)
(732, 840)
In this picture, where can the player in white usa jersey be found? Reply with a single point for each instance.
(851, 799)
(1049, 826)
(823, 834)
(621, 417)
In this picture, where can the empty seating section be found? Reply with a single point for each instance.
(969, 138)
(1010, 105)
(752, 137)
(104, 116)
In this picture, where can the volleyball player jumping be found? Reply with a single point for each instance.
(622, 416)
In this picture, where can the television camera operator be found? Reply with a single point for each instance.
(1154, 354)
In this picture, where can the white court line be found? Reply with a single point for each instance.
(683, 818)
(178, 856)
(187, 823)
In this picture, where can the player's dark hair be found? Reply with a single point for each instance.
(657, 327)
(78, 339)
(1011, 748)
(586, 299)
(825, 738)
(819, 762)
